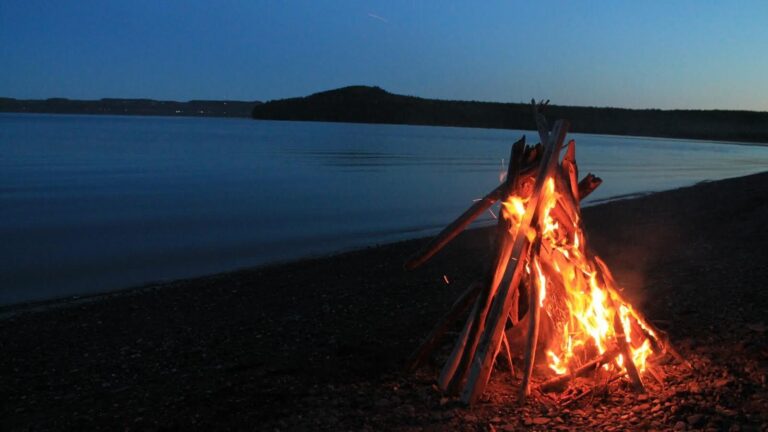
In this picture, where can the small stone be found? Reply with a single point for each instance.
(540, 420)
(680, 426)
(722, 382)
(642, 398)
(695, 419)
(725, 411)
(508, 428)
(641, 408)
(656, 408)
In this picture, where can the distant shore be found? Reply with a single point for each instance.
(362, 104)
(141, 107)
(318, 344)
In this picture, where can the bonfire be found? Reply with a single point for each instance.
(546, 295)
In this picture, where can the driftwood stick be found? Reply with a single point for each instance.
(566, 211)
(459, 307)
(533, 327)
(541, 121)
(588, 184)
(659, 377)
(565, 402)
(479, 207)
(571, 170)
(532, 154)
(558, 381)
(659, 340)
(452, 363)
(654, 334)
(566, 219)
(481, 367)
(629, 363)
(514, 310)
(505, 341)
(618, 328)
(454, 228)
(670, 349)
(494, 278)
(567, 199)
(482, 364)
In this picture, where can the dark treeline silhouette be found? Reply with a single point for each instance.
(362, 104)
(197, 108)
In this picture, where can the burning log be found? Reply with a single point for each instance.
(557, 382)
(592, 390)
(533, 324)
(619, 328)
(571, 295)
(629, 363)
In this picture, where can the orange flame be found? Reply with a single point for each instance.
(591, 301)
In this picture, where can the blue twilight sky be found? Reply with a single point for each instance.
(666, 54)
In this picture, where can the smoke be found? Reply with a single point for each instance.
(631, 246)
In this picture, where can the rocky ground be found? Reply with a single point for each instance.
(320, 344)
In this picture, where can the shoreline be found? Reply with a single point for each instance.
(319, 344)
(533, 132)
(12, 309)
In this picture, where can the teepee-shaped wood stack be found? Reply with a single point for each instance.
(540, 255)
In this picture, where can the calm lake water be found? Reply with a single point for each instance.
(92, 203)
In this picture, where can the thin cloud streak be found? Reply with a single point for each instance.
(382, 19)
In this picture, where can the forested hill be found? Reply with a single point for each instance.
(361, 104)
(197, 108)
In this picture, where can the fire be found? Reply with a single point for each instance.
(574, 307)
(589, 295)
